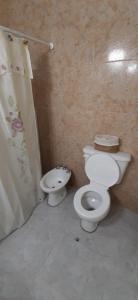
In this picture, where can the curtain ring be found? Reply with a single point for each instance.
(10, 37)
(25, 42)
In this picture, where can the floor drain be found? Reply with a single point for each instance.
(77, 239)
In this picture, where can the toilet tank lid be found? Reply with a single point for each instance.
(120, 156)
(89, 150)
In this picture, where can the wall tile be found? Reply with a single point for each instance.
(77, 91)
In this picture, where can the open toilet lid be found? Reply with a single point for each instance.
(102, 169)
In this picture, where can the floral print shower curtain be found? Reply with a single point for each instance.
(20, 168)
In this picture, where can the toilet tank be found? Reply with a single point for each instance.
(121, 158)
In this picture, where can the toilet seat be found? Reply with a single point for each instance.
(100, 212)
(102, 169)
(103, 172)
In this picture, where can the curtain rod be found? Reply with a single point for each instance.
(21, 34)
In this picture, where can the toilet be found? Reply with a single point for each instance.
(92, 201)
(54, 184)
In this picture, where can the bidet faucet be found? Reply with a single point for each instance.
(63, 167)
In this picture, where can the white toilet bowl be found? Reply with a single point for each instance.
(92, 204)
(53, 183)
(92, 201)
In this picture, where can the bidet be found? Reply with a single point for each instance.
(54, 184)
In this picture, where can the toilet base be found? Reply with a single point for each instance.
(88, 226)
(55, 198)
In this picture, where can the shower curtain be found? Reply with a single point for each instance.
(20, 168)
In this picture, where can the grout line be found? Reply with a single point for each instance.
(121, 60)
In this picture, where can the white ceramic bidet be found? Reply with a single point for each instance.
(54, 183)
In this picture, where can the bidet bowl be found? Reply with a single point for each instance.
(54, 183)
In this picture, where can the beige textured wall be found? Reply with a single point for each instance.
(78, 93)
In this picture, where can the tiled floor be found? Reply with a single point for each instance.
(43, 260)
